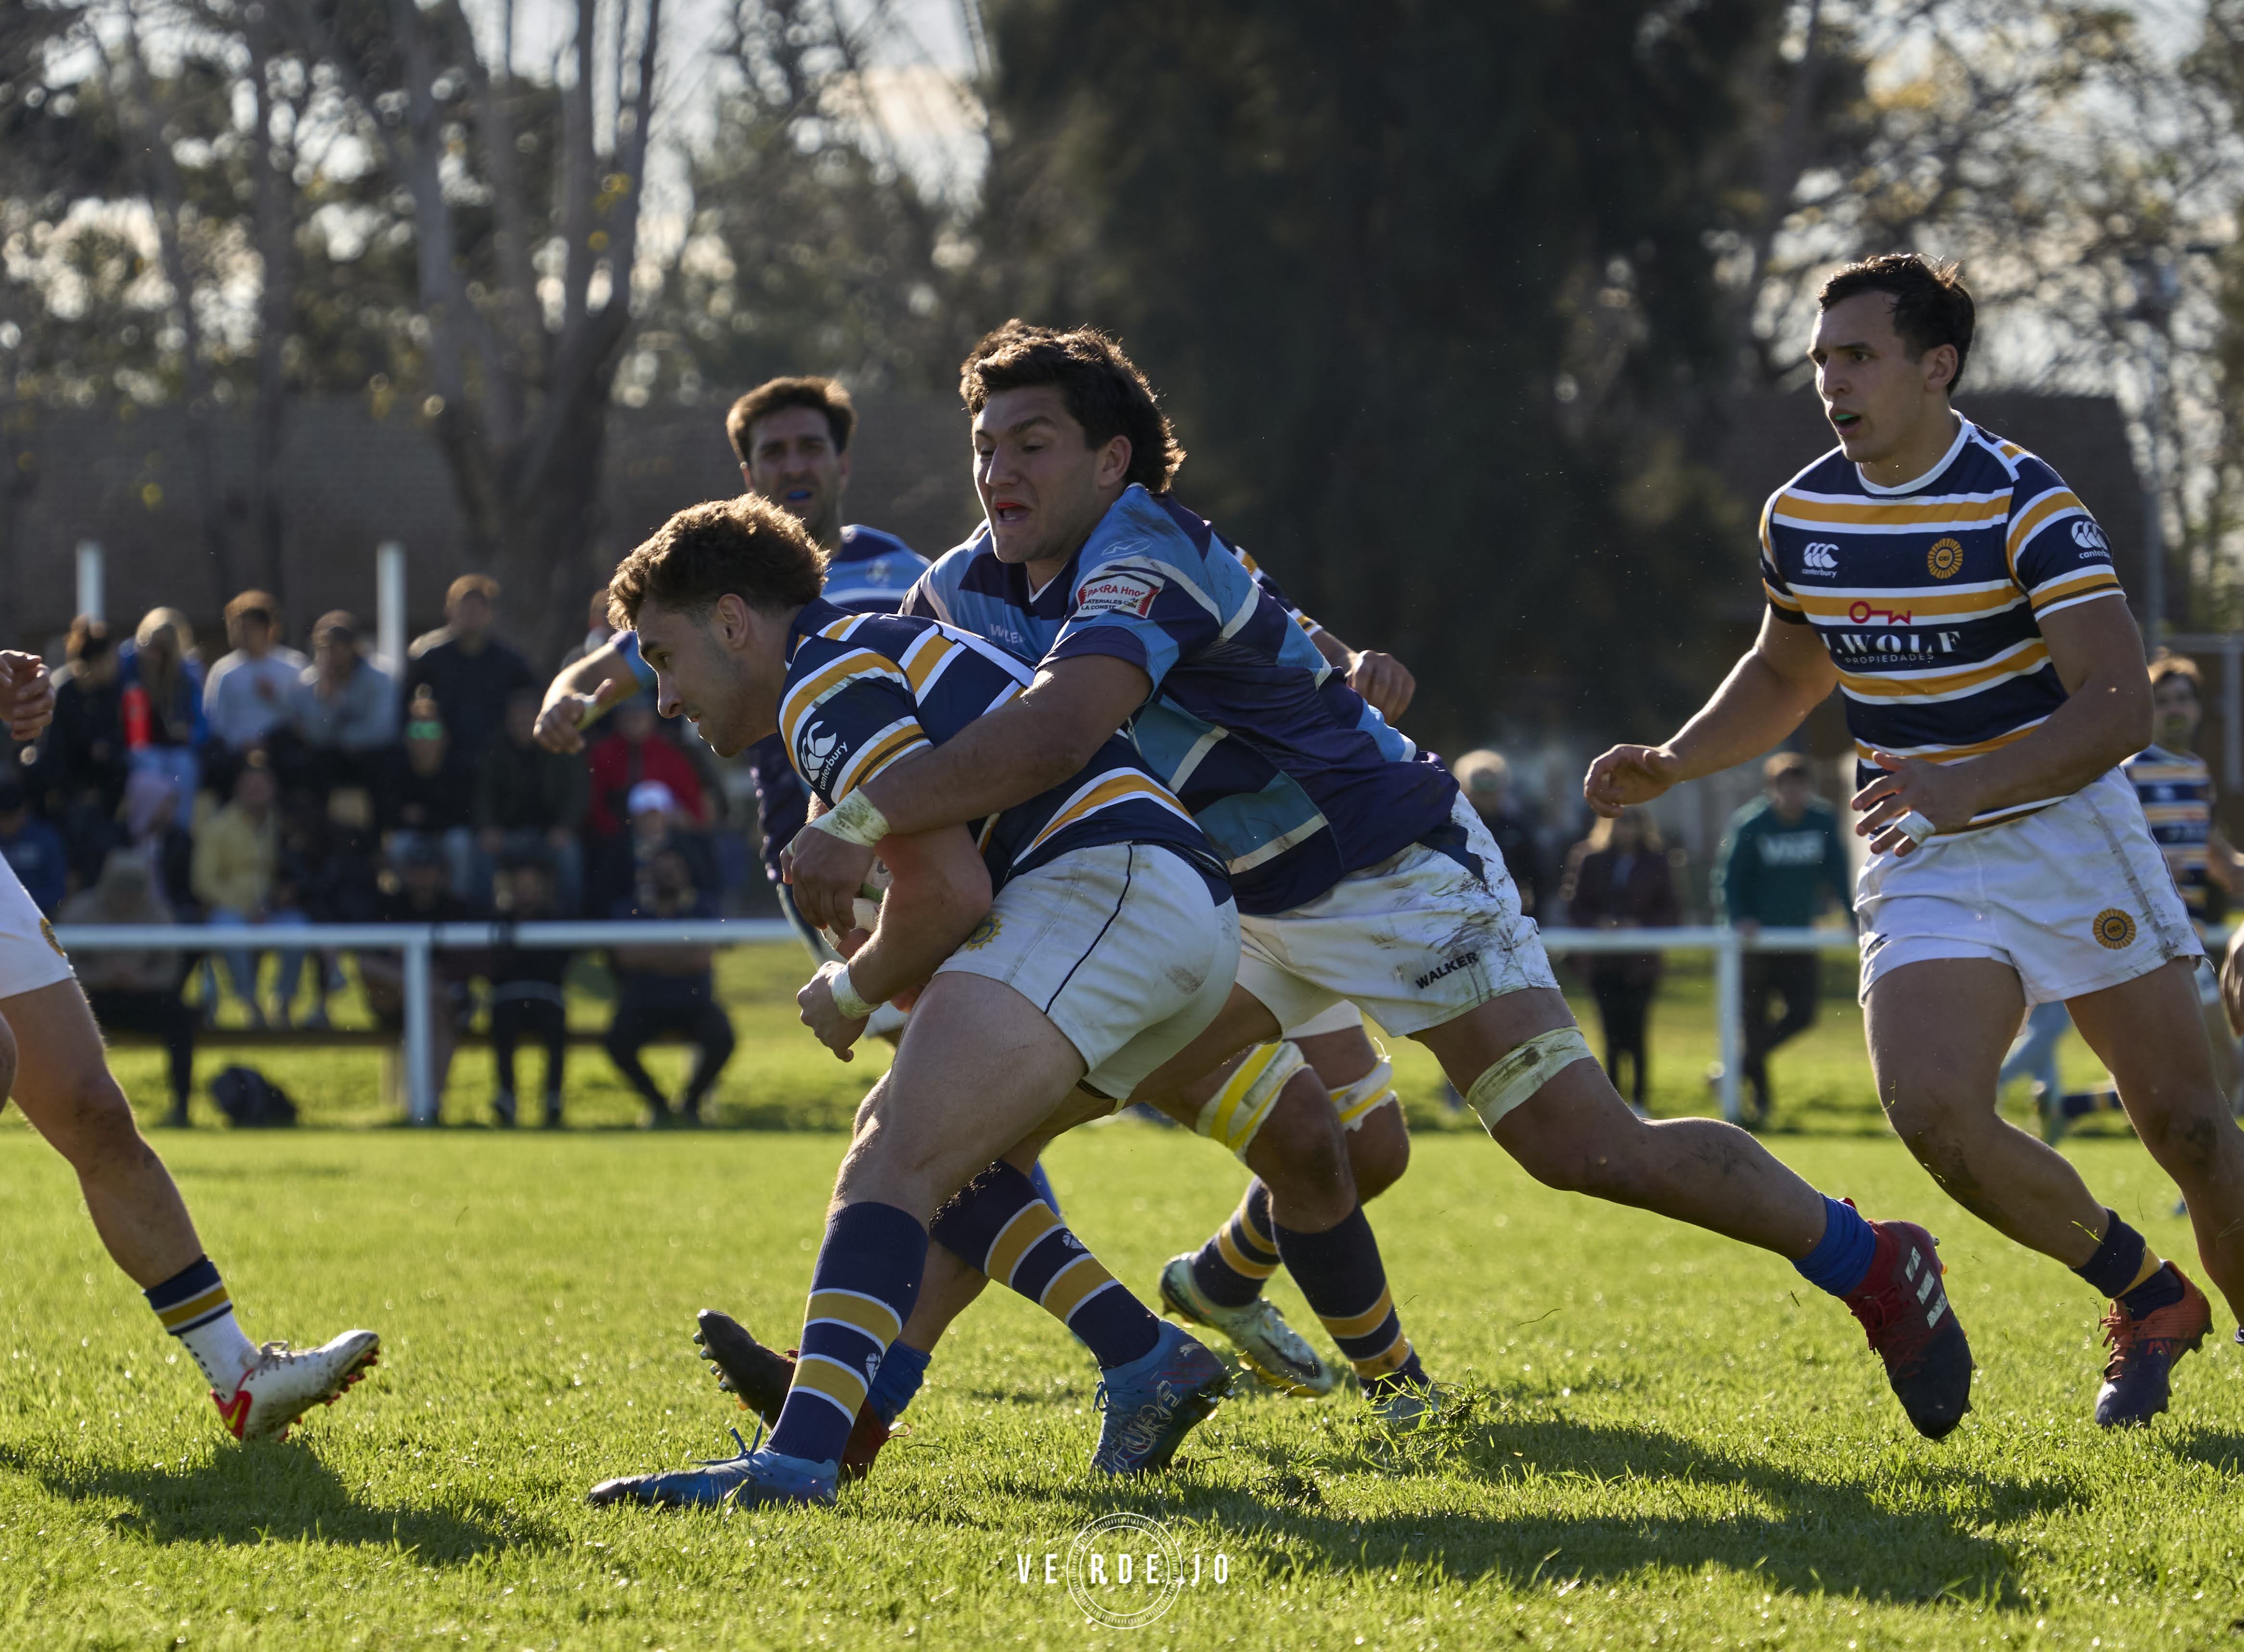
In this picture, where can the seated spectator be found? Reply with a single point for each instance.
(341, 878)
(633, 754)
(237, 878)
(33, 849)
(153, 826)
(528, 798)
(469, 672)
(525, 984)
(248, 694)
(427, 796)
(1485, 779)
(668, 991)
(137, 992)
(344, 707)
(419, 891)
(161, 700)
(343, 872)
(77, 779)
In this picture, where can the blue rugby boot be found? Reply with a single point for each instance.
(749, 1480)
(1152, 1403)
(2145, 1346)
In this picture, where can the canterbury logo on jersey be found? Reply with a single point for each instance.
(1820, 559)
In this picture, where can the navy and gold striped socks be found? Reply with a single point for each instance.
(1001, 1225)
(862, 1293)
(1232, 1267)
(193, 1306)
(1340, 1272)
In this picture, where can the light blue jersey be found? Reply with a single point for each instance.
(1295, 779)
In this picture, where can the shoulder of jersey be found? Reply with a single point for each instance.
(1829, 473)
(863, 544)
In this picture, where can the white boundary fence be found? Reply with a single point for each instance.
(417, 941)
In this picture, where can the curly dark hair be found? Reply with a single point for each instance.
(1931, 307)
(1103, 390)
(747, 547)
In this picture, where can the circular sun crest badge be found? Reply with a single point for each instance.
(1944, 559)
(1124, 1570)
(2114, 929)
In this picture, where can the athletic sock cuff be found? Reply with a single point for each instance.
(903, 1370)
(2162, 1290)
(2118, 1258)
(1841, 1260)
(192, 1281)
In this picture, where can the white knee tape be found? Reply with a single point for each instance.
(1524, 1071)
(1356, 1102)
(1233, 1113)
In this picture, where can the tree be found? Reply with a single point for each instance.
(526, 202)
(1427, 289)
(813, 247)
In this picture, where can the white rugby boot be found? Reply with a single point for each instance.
(284, 1383)
(1267, 1345)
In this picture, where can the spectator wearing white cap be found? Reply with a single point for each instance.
(666, 990)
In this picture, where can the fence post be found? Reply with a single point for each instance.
(90, 600)
(1729, 1015)
(420, 1091)
(390, 609)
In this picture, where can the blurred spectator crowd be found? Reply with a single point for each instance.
(268, 789)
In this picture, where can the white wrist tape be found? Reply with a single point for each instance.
(854, 820)
(1916, 826)
(845, 994)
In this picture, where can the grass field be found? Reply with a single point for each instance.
(1662, 1440)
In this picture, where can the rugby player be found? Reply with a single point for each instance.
(53, 1064)
(1069, 946)
(792, 438)
(2174, 786)
(1360, 872)
(1963, 602)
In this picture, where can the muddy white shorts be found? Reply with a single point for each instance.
(1416, 940)
(2075, 897)
(30, 956)
(1123, 948)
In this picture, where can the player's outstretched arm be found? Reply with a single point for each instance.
(1025, 747)
(1781, 678)
(939, 889)
(2106, 719)
(581, 694)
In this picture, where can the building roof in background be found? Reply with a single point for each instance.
(353, 480)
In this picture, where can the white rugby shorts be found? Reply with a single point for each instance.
(1413, 942)
(2075, 897)
(1122, 947)
(30, 956)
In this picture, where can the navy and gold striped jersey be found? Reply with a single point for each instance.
(1297, 782)
(2176, 792)
(864, 690)
(1929, 595)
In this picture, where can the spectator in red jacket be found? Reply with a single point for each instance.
(632, 756)
(633, 753)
